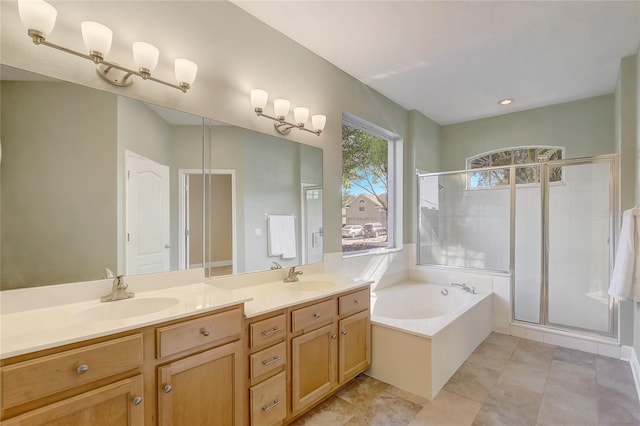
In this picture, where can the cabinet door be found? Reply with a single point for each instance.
(117, 404)
(314, 365)
(203, 389)
(355, 345)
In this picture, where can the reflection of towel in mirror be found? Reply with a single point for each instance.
(281, 235)
(625, 279)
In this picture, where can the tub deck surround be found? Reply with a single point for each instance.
(44, 328)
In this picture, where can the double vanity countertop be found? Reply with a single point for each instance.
(46, 327)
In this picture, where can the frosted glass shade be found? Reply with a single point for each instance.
(186, 71)
(318, 122)
(97, 37)
(281, 107)
(259, 98)
(145, 55)
(37, 15)
(301, 115)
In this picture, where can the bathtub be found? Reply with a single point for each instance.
(422, 333)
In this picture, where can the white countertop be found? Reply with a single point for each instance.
(37, 329)
(277, 295)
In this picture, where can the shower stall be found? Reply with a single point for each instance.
(550, 224)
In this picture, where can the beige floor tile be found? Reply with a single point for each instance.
(572, 377)
(503, 340)
(333, 411)
(386, 409)
(473, 381)
(447, 409)
(490, 355)
(574, 356)
(519, 376)
(361, 390)
(618, 405)
(408, 396)
(516, 406)
(613, 372)
(561, 406)
(533, 353)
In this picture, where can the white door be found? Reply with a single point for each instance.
(312, 224)
(147, 192)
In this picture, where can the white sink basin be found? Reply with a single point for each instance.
(127, 308)
(311, 285)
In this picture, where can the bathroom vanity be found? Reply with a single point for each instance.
(257, 355)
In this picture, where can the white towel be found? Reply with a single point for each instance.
(625, 280)
(282, 236)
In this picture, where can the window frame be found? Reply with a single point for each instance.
(394, 184)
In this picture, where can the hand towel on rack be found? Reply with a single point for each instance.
(281, 235)
(625, 279)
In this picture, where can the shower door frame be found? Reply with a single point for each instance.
(614, 218)
(614, 208)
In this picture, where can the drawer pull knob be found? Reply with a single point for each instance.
(344, 332)
(137, 400)
(356, 301)
(167, 388)
(271, 331)
(333, 336)
(316, 315)
(82, 368)
(204, 332)
(268, 407)
(276, 358)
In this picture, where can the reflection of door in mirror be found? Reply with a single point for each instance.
(147, 215)
(221, 222)
(312, 224)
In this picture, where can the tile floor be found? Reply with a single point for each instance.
(506, 381)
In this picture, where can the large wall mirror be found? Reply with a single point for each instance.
(91, 180)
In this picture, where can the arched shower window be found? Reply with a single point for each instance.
(513, 156)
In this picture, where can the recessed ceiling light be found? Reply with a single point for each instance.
(506, 101)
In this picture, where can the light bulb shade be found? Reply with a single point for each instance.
(281, 107)
(185, 71)
(145, 55)
(301, 115)
(318, 122)
(97, 37)
(37, 15)
(259, 98)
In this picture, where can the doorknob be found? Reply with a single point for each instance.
(167, 246)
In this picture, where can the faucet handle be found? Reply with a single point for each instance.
(118, 282)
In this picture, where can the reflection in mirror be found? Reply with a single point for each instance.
(264, 201)
(90, 180)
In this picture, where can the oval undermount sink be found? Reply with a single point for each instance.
(127, 308)
(311, 285)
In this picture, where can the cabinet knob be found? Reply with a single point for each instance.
(344, 332)
(204, 332)
(137, 400)
(333, 336)
(316, 315)
(356, 301)
(82, 368)
(167, 388)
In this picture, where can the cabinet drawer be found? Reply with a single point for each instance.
(268, 401)
(266, 332)
(188, 335)
(268, 360)
(37, 378)
(314, 315)
(354, 302)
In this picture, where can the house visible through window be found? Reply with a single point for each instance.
(513, 156)
(368, 156)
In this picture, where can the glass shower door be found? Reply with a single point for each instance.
(580, 202)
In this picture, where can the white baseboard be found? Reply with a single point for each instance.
(628, 353)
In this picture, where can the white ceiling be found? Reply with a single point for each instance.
(453, 61)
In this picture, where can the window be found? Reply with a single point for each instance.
(369, 186)
(513, 156)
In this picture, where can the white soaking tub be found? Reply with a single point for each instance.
(421, 336)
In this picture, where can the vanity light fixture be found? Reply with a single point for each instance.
(39, 17)
(281, 108)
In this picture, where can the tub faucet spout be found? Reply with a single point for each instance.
(464, 287)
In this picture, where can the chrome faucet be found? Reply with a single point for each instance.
(292, 276)
(465, 287)
(118, 292)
